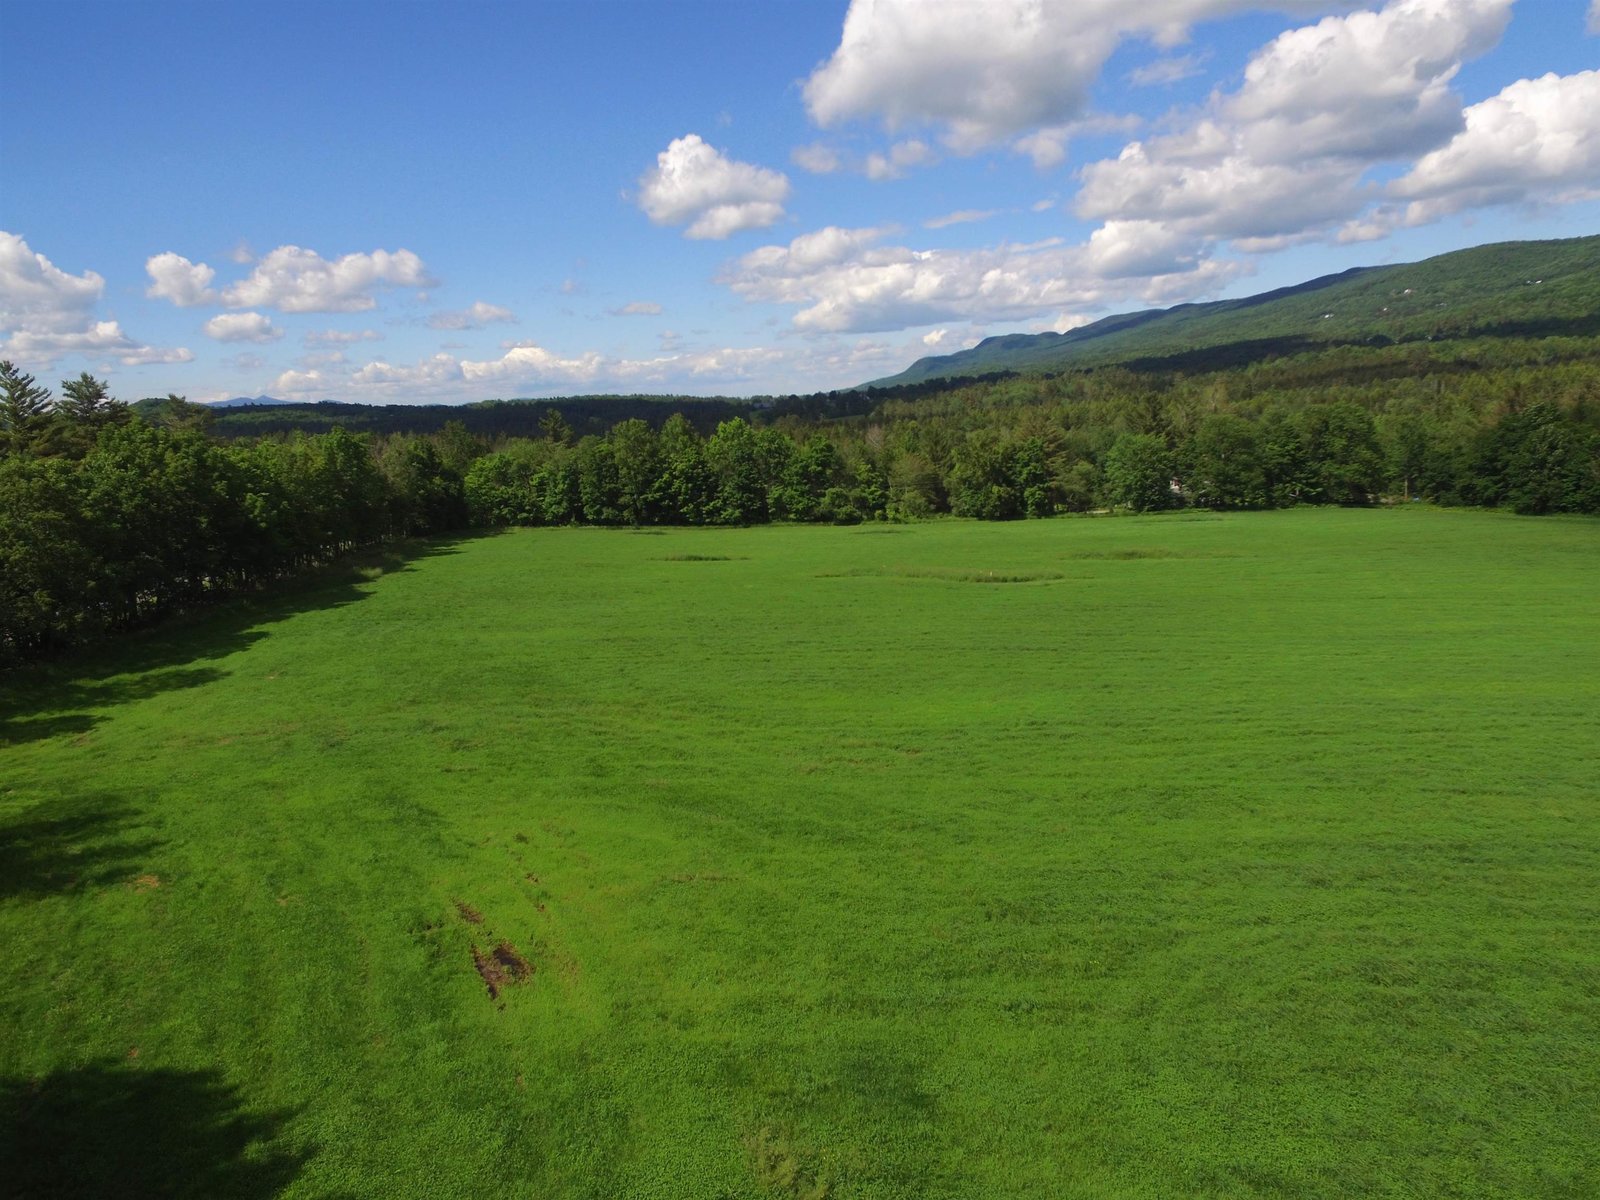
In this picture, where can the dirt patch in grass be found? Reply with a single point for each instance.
(469, 914)
(702, 558)
(146, 883)
(501, 967)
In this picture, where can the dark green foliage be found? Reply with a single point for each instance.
(735, 457)
(1138, 472)
(153, 518)
(25, 424)
(1535, 462)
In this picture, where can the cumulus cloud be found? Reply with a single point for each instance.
(242, 327)
(989, 72)
(35, 293)
(696, 185)
(638, 308)
(48, 314)
(528, 360)
(1370, 85)
(1537, 140)
(846, 280)
(173, 277)
(1285, 156)
(902, 156)
(1048, 146)
(1205, 182)
(476, 317)
(292, 279)
(100, 339)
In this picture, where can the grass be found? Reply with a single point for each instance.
(1242, 858)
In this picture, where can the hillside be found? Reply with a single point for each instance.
(1526, 289)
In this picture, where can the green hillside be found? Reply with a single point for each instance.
(1529, 289)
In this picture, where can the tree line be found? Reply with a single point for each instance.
(110, 521)
(113, 516)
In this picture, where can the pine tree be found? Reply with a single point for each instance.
(24, 411)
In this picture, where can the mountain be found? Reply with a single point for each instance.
(1511, 289)
(251, 402)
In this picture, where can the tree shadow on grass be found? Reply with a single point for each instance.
(48, 700)
(60, 847)
(110, 1129)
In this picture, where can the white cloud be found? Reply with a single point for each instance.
(1285, 157)
(901, 157)
(1537, 140)
(1204, 181)
(990, 71)
(694, 184)
(527, 360)
(960, 217)
(1369, 86)
(292, 279)
(1594, 16)
(476, 317)
(49, 314)
(173, 277)
(300, 383)
(638, 308)
(242, 327)
(818, 158)
(1048, 146)
(35, 293)
(100, 339)
(845, 281)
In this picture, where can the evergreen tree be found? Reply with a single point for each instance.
(24, 412)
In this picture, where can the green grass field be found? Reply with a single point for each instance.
(1185, 856)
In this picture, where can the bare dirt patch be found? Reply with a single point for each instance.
(146, 883)
(501, 967)
(469, 914)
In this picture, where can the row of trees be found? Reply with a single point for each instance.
(108, 521)
(112, 516)
(988, 466)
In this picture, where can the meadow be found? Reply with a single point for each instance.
(1194, 855)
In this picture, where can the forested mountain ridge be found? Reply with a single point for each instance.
(1510, 289)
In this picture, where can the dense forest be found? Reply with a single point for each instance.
(114, 515)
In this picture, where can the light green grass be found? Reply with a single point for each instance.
(1228, 857)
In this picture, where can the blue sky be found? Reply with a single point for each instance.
(421, 202)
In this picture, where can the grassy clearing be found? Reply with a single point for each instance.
(1252, 856)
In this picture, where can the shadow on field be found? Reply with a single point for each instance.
(110, 1129)
(46, 701)
(58, 848)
